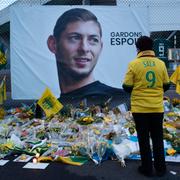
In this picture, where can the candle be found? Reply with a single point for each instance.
(35, 160)
(37, 155)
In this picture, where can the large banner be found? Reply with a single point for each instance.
(33, 61)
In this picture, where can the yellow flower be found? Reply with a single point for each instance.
(171, 152)
(169, 125)
(2, 113)
(107, 119)
(170, 114)
(88, 119)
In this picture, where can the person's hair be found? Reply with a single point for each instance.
(144, 43)
(73, 15)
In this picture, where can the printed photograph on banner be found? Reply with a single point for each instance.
(77, 47)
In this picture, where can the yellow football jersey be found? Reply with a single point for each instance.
(175, 78)
(147, 75)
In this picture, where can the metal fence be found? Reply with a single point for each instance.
(172, 36)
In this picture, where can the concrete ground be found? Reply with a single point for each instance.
(108, 170)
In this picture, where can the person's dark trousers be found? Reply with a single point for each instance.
(150, 125)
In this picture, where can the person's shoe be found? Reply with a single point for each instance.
(147, 173)
(160, 171)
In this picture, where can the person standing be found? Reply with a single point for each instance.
(147, 80)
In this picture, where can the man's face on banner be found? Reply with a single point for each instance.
(78, 48)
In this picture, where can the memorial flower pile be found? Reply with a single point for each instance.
(75, 135)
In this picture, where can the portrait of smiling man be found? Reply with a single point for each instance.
(77, 44)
